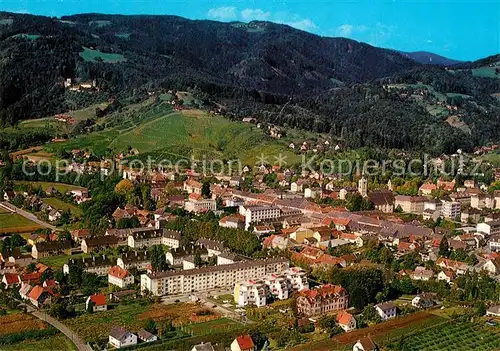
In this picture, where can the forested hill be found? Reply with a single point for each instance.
(130, 52)
(366, 96)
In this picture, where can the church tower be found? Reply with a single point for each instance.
(363, 186)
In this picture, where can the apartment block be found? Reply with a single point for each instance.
(451, 209)
(410, 204)
(211, 277)
(256, 213)
(250, 292)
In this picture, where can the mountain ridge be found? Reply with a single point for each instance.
(274, 72)
(426, 57)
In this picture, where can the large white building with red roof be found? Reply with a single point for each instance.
(120, 277)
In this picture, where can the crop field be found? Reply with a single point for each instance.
(211, 327)
(96, 326)
(382, 333)
(455, 336)
(61, 187)
(20, 322)
(456, 122)
(91, 55)
(15, 223)
(57, 342)
(25, 151)
(63, 206)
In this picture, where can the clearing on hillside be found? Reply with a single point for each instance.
(91, 55)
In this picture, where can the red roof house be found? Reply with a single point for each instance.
(243, 343)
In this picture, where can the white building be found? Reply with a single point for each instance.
(256, 213)
(138, 259)
(120, 277)
(227, 257)
(363, 186)
(147, 237)
(210, 277)
(120, 337)
(451, 209)
(494, 243)
(250, 292)
(200, 205)
(489, 228)
(297, 277)
(386, 310)
(312, 193)
(278, 286)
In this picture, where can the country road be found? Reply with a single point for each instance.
(80, 344)
(28, 215)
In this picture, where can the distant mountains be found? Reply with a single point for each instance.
(274, 72)
(428, 58)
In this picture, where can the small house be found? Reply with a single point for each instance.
(146, 336)
(386, 310)
(120, 337)
(97, 301)
(243, 343)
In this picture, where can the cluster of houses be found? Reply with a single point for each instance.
(291, 220)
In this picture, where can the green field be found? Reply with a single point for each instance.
(97, 325)
(492, 157)
(458, 95)
(62, 188)
(91, 55)
(15, 221)
(31, 37)
(157, 131)
(125, 36)
(59, 261)
(37, 123)
(63, 206)
(211, 327)
(486, 72)
(57, 342)
(455, 336)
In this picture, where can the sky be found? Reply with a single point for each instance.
(462, 30)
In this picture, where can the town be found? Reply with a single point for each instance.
(192, 261)
(249, 176)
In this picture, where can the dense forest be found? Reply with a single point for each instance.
(273, 72)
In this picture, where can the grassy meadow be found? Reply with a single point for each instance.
(158, 131)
